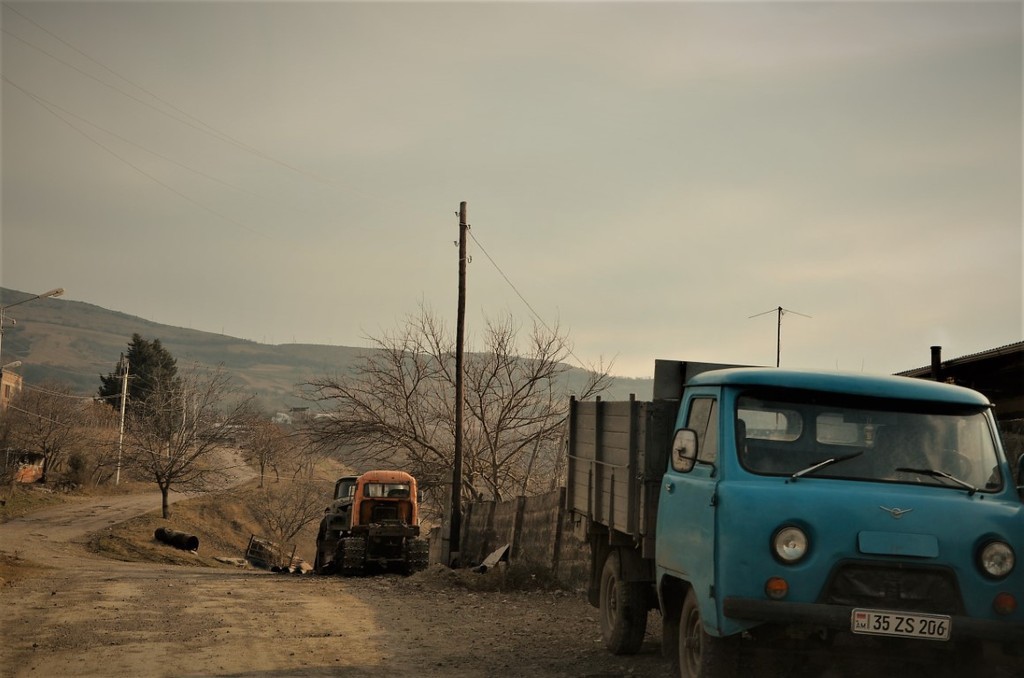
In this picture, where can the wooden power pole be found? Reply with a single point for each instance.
(456, 510)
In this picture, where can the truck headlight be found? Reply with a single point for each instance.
(790, 544)
(996, 559)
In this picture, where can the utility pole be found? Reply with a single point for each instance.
(456, 509)
(778, 331)
(124, 401)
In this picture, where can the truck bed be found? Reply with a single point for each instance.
(616, 458)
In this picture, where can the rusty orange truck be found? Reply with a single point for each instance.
(375, 525)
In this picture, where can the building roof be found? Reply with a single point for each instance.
(997, 372)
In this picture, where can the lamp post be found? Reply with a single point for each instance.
(52, 293)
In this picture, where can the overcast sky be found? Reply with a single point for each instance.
(647, 176)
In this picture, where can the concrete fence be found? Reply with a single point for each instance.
(538, 531)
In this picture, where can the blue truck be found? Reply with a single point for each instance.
(764, 507)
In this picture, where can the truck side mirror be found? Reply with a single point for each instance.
(684, 450)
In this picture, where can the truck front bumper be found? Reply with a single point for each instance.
(838, 617)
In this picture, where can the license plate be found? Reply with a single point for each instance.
(886, 623)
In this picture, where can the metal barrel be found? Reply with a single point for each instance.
(180, 540)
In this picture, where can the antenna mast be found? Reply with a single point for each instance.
(778, 332)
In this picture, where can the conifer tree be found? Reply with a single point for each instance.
(151, 368)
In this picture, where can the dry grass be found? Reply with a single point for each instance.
(18, 500)
(223, 523)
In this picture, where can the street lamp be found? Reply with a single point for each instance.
(52, 293)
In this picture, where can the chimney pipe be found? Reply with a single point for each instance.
(937, 363)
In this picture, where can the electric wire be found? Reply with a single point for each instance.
(203, 127)
(132, 165)
(105, 68)
(533, 312)
(191, 121)
(39, 416)
(46, 391)
(198, 125)
(125, 140)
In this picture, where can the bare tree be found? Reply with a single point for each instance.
(398, 406)
(99, 429)
(285, 507)
(517, 410)
(44, 419)
(267, 445)
(172, 439)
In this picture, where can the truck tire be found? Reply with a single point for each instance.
(702, 655)
(623, 609)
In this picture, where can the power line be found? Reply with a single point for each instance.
(101, 65)
(198, 125)
(125, 140)
(130, 164)
(47, 391)
(533, 312)
(39, 416)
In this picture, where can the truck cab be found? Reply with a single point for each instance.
(372, 522)
(813, 504)
(336, 523)
(760, 507)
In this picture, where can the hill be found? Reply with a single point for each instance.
(75, 342)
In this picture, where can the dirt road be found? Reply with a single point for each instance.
(87, 616)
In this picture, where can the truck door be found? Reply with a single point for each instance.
(686, 511)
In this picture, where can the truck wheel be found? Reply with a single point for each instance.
(623, 609)
(702, 655)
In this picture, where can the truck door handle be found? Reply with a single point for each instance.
(670, 487)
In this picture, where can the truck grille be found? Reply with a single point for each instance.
(894, 587)
(385, 513)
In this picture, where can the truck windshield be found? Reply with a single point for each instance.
(399, 490)
(805, 435)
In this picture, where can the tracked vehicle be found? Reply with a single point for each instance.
(374, 524)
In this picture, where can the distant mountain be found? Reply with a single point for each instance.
(75, 342)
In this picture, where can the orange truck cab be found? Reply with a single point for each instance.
(376, 525)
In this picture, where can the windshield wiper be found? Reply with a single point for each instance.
(822, 464)
(935, 473)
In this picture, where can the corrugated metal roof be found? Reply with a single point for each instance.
(1008, 349)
